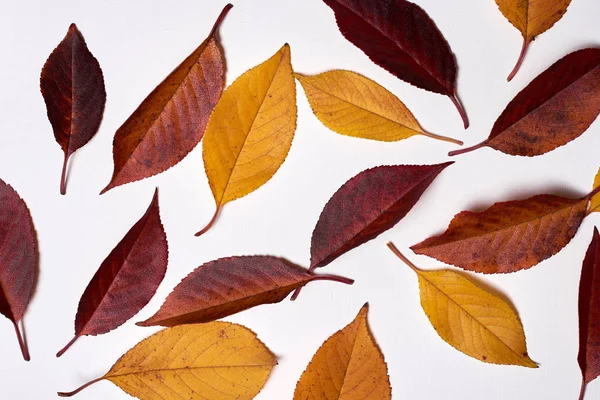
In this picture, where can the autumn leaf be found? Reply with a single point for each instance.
(348, 366)
(18, 259)
(469, 318)
(73, 88)
(229, 285)
(400, 37)
(216, 361)
(353, 105)
(595, 200)
(531, 18)
(250, 130)
(126, 280)
(172, 119)
(589, 315)
(555, 108)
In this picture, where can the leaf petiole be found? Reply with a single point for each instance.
(22, 343)
(401, 256)
(210, 223)
(79, 389)
(64, 349)
(520, 60)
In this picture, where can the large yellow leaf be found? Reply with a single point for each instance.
(250, 130)
(216, 361)
(470, 319)
(353, 105)
(595, 199)
(348, 366)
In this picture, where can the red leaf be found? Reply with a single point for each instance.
(127, 278)
(400, 37)
(73, 88)
(555, 108)
(229, 285)
(18, 258)
(589, 314)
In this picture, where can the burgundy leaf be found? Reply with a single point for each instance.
(73, 88)
(400, 37)
(127, 278)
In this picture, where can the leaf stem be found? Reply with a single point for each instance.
(520, 60)
(64, 349)
(401, 256)
(442, 138)
(461, 109)
(79, 389)
(467, 149)
(582, 391)
(210, 223)
(220, 19)
(22, 343)
(63, 176)
(593, 193)
(334, 278)
(297, 291)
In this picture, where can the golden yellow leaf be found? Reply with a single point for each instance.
(348, 366)
(531, 18)
(250, 130)
(595, 199)
(470, 319)
(353, 105)
(217, 361)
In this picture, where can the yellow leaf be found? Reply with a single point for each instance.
(595, 200)
(353, 105)
(348, 366)
(216, 361)
(470, 319)
(250, 130)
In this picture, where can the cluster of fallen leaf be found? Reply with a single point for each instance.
(248, 129)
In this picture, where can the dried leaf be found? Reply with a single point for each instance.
(509, 236)
(126, 280)
(171, 121)
(555, 108)
(589, 314)
(73, 88)
(469, 318)
(595, 200)
(229, 285)
(348, 366)
(217, 361)
(400, 37)
(531, 18)
(250, 130)
(18, 259)
(353, 105)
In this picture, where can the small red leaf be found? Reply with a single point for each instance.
(73, 88)
(127, 278)
(18, 258)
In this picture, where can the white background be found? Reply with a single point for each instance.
(138, 43)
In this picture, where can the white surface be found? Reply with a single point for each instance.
(138, 43)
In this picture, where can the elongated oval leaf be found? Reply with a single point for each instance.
(555, 108)
(229, 285)
(126, 280)
(217, 361)
(508, 237)
(352, 105)
(73, 88)
(171, 121)
(400, 37)
(531, 18)
(250, 130)
(589, 314)
(470, 319)
(348, 366)
(18, 258)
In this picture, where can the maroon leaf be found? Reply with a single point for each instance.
(73, 88)
(589, 314)
(127, 278)
(400, 37)
(18, 259)
(229, 285)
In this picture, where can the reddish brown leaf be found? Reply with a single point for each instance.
(229, 285)
(18, 258)
(400, 37)
(589, 314)
(555, 108)
(171, 121)
(73, 88)
(509, 236)
(126, 280)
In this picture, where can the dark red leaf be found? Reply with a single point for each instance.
(127, 278)
(229, 285)
(73, 88)
(18, 258)
(400, 37)
(589, 314)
